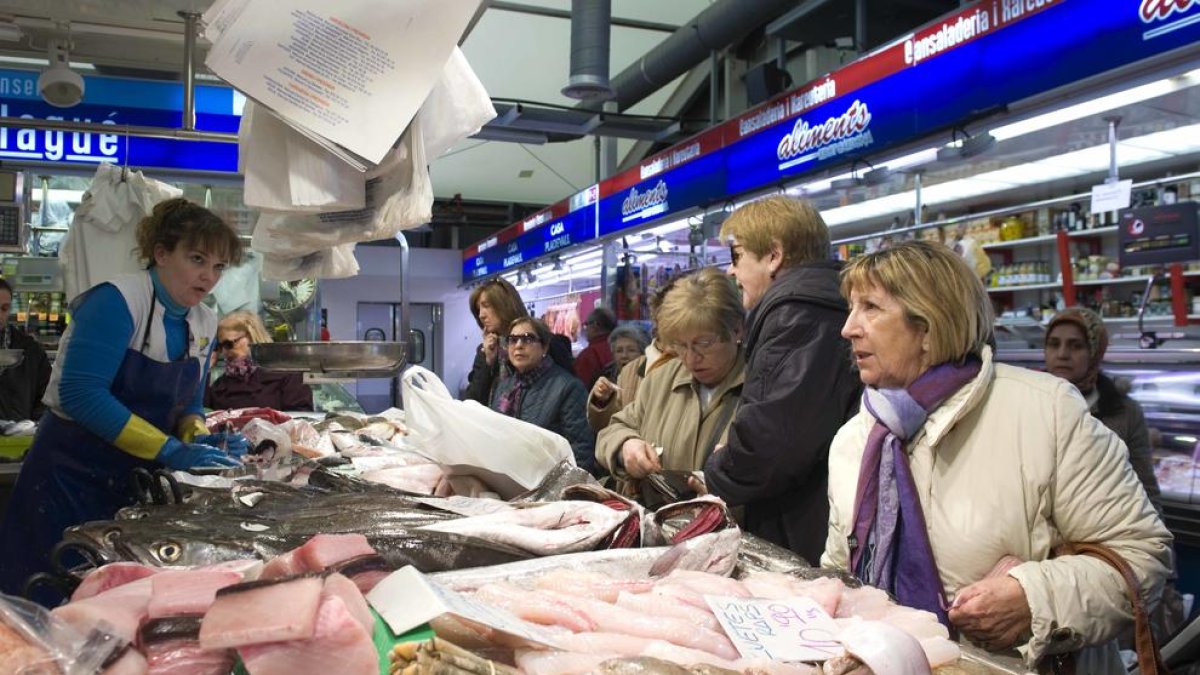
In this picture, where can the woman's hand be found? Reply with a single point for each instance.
(639, 458)
(491, 347)
(992, 613)
(602, 391)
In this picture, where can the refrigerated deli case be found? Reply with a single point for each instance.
(1166, 382)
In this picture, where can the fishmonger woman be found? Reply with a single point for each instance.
(126, 388)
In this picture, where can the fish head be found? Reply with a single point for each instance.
(715, 552)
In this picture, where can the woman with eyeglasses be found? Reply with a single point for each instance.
(244, 384)
(543, 392)
(495, 305)
(126, 390)
(800, 386)
(683, 407)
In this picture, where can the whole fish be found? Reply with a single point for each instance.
(546, 529)
(563, 475)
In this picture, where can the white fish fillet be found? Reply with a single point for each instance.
(591, 584)
(885, 649)
(557, 527)
(651, 605)
(270, 613)
(536, 662)
(339, 645)
(535, 608)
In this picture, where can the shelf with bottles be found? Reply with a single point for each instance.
(1048, 238)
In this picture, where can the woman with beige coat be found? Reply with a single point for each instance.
(684, 406)
(955, 463)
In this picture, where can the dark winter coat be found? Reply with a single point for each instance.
(800, 388)
(263, 388)
(556, 401)
(22, 386)
(1125, 418)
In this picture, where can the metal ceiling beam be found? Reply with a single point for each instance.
(564, 14)
(717, 27)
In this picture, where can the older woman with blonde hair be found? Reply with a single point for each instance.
(244, 384)
(959, 477)
(684, 406)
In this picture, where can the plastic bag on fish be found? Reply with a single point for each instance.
(269, 444)
(507, 454)
(34, 642)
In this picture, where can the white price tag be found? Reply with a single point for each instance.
(795, 629)
(1111, 196)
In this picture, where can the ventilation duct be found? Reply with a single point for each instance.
(589, 51)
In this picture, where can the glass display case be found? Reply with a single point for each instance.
(1166, 382)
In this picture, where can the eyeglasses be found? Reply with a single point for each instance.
(520, 339)
(735, 254)
(228, 344)
(700, 346)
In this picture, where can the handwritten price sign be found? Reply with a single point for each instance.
(795, 629)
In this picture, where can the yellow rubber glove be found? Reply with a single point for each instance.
(140, 438)
(190, 427)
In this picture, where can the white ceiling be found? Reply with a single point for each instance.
(527, 57)
(516, 55)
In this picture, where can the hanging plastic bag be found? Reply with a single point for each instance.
(457, 107)
(509, 455)
(334, 263)
(35, 642)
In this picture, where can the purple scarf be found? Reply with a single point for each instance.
(510, 401)
(889, 547)
(241, 368)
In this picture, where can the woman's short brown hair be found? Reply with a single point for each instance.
(704, 301)
(248, 323)
(177, 221)
(504, 299)
(937, 290)
(795, 223)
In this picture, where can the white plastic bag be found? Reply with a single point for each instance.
(457, 107)
(467, 438)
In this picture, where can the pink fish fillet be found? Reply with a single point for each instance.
(679, 594)
(826, 591)
(250, 568)
(866, 602)
(537, 662)
(123, 608)
(535, 608)
(591, 584)
(686, 657)
(613, 644)
(613, 619)
(769, 585)
(705, 583)
(180, 592)
(110, 576)
(352, 598)
(324, 550)
(262, 611)
(418, 479)
(651, 605)
(339, 645)
(285, 564)
(176, 657)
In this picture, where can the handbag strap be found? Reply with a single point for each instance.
(1150, 660)
(727, 409)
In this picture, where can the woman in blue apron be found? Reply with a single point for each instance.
(126, 389)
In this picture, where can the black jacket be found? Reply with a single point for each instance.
(23, 385)
(262, 389)
(800, 388)
(1125, 418)
(556, 402)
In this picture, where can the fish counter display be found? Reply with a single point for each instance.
(314, 565)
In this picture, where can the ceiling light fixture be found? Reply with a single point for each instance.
(58, 85)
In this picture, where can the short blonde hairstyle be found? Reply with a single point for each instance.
(794, 222)
(938, 292)
(248, 323)
(705, 301)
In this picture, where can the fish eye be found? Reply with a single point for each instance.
(111, 536)
(169, 552)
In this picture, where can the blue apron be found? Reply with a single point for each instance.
(71, 476)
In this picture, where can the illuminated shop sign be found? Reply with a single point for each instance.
(119, 101)
(548, 231)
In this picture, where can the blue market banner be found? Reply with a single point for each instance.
(698, 182)
(543, 239)
(119, 101)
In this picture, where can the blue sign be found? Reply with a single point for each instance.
(938, 86)
(120, 101)
(574, 228)
(697, 183)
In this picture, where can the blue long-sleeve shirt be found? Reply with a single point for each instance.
(102, 328)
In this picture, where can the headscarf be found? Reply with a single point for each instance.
(1094, 333)
(889, 545)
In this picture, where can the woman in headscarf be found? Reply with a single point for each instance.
(1076, 341)
(543, 392)
(955, 463)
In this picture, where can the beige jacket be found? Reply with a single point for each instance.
(1013, 463)
(667, 412)
(628, 380)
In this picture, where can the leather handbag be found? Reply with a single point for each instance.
(1150, 660)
